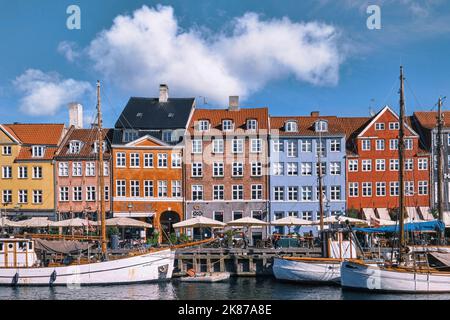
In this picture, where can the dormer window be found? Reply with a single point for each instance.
(96, 147)
(252, 124)
(37, 151)
(167, 135)
(227, 125)
(203, 125)
(75, 147)
(321, 126)
(130, 135)
(291, 126)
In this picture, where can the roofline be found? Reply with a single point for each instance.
(9, 134)
(149, 137)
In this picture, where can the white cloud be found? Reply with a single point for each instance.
(69, 50)
(140, 51)
(45, 93)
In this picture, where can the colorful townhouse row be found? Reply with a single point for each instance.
(166, 160)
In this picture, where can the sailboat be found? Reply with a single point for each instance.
(19, 264)
(413, 271)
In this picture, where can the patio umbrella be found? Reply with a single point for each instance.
(6, 223)
(76, 222)
(199, 222)
(247, 222)
(36, 222)
(291, 221)
(126, 222)
(351, 220)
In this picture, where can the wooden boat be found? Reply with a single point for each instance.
(209, 277)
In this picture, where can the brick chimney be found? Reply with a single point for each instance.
(233, 103)
(163, 93)
(315, 113)
(76, 115)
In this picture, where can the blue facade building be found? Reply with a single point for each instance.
(295, 145)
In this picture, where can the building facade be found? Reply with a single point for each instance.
(226, 164)
(77, 174)
(27, 182)
(295, 146)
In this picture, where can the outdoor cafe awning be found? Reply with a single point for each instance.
(435, 225)
(35, 222)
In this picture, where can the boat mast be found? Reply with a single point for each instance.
(439, 167)
(319, 166)
(100, 170)
(401, 148)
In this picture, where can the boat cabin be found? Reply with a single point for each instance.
(16, 253)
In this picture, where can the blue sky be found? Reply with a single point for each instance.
(292, 56)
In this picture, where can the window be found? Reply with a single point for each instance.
(96, 147)
(238, 145)
(379, 126)
(130, 135)
(197, 169)
(393, 144)
(77, 194)
(292, 149)
(167, 135)
(394, 189)
(409, 188)
(218, 169)
(423, 188)
(352, 165)
(37, 173)
(292, 214)
(23, 196)
(321, 126)
(380, 165)
(423, 164)
(335, 168)
(6, 150)
(162, 160)
(218, 216)
(23, 172)
(90, 193)
(256, 145)
(176, 160)
(63, 169)
(277, 168)
(7, 196)
(256, 169)
(335, 193)
(367, 189)
(381, 189)
(394, 126)
(393, 165)
(37, 151)
(135, 160)
(257, 191)
(448, 139)
(292, 169)
(306, 193)
(218, 146)
(365, 145)
(197, 192)
(237, 215)
(409, 164)
(63, 194)
(77, 169)
(90, 169)
(323, 168)
(305, 145)
(292, 193)
(238, 169)
(37, 196)
(366, 165)
(277, 146)
(106, 192)
(121, 188)
(379, 144)
(408, 144)
(148, 189)
(148, 160)
(203, 125)
(278, 193)
(238, 192)
(335, 145)
(162, 189)
(176, 188)
(105, 168)
(257, 214)
(197, 146)
(252, 124)
(135, 188)
(320, 148)
(306, 168)
(218, 192)
(120, 160)
(353, 189)
(324, 193)
(75, 147)
(227, 125)
(290, 126)
(307, 215)
(6, 172)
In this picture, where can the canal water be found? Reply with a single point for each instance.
(236, 288)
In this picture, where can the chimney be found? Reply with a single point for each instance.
(315, 113)
(76, 115)
(163, 93)
(233, 103)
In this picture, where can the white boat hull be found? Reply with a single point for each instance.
(310, 271)
(376, 278)
(153, 266)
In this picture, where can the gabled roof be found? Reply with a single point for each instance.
(37, 133)
(428, 119)
(147, 138)
(25, 154)
(9, 133)
(306, 125)
(149, 113)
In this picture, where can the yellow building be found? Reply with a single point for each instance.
(27, 177)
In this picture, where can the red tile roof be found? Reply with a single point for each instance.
(305, 125)
(88, 137)
(25, 154)
(427, 119)
(37, 134)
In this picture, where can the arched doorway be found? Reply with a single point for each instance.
(166, 221)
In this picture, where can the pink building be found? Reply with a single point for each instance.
(76, 172)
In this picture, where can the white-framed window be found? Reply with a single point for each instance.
(335, 168)
(277, 145)
(176, 160)
(121, 188)
(6, 196)
(381, 189)
(306, 193)
(130, 135)
(218, 146)
(252, 124)
(237, 215)
(23, 196)
(162, 160)
(290, 126)
(393, 144)
(106, 193)
(335, 193)
(379, 126)
(121, 160)
(135, 188)
(307, 215)
(167, 135)
(353, 165)
(292, 149)
(394, 126)
(237, 145)
(77, 194)
(203, 125)
(237, 191)
(306, 168)
(90, 169)
(277, 168)
(324, 193)
(227, 125)
(292, 193)
(91, 193)
(197, 169)
(321, 126)
(379, 144)
(394, 165)
(256, 145)
(22, 172)
(320, 148)
(367, 189)
(380, 165)
(365, 144)
(409, 188)
(218, 192)
(75, 147)
(394, 188)
(197, 146)
(63, 194)
(292, 169)
(37, 172)
(218, 216)
(105, 168)
(77, 169)
(237, 169)
(37, 196)
(176, 188)
(7, 172)
(197, 192)
(38, 151)
(353, 189)
(278, 193)
(335, 145)
(6, 150)
(366, 165)
(135, 160)
(323, 168)
(96, 147)
(162, 188)
(423, 188)
(218, 169)
(257, 214)
(148, 189)
(409, 144)
(306, 145)
(422, 163)
(409, 164)
(256, 168)
(63, 169)
(148, 160)
(257, 190)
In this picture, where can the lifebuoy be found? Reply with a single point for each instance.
(163, 269)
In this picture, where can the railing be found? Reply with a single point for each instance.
(57, 237)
